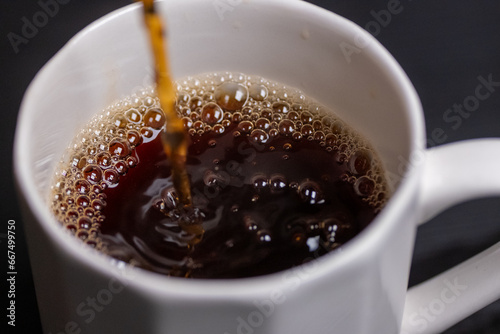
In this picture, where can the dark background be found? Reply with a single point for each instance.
(442, 45)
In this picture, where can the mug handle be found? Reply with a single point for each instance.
(442, 301)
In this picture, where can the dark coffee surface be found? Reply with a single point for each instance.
(265, 207)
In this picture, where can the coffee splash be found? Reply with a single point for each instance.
(175, 140)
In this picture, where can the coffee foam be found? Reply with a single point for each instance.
(103, 150)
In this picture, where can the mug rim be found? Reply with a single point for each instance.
(201, 288)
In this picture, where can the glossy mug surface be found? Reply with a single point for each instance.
(360, 289)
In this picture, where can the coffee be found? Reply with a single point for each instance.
(276, 180)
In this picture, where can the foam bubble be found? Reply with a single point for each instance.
(231, 96)
(211, 113)
(310, 192)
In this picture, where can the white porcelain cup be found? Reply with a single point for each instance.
(359, 290)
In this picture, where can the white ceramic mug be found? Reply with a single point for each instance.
(361, 289)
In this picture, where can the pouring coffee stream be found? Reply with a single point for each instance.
(175, 139)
